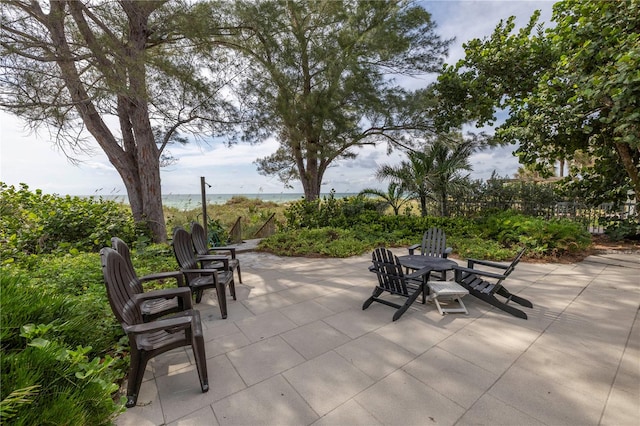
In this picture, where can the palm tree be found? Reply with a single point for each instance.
(448, 158)
(395, 196)
(430, 174)
(410, 175)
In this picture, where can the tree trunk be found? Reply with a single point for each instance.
(137, 160)
(444, 204)
(423, 205)
(626, 156)
(147, 153)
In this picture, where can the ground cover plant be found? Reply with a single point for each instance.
(495, 235)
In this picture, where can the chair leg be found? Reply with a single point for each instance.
(239, 275)
(406, 305)
(138, 363)
(199, 293)
(197, 344)
(517, 299)
(491, 299)
(222, 299)
(376, 292)
(232, 289)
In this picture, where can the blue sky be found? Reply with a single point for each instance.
(33, 159)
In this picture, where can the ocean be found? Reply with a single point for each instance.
(193, 201)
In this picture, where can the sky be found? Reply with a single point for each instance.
(34, 159)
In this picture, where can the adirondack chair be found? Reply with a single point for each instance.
(154, 307)
(206, 253)
(392, 279)
(198, 277)
(434, 243)
(148, 340)
(486, 285)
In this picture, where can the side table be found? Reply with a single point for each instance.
(447, 290)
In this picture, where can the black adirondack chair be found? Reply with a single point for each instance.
(392, 279)
(434, 243)
(148, 340)
(212, 255)
(198, 277)
(154, 307)
(486, 285)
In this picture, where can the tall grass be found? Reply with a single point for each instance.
(252, 211)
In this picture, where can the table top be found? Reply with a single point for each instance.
(418, 261)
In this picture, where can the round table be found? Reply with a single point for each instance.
(418, 261)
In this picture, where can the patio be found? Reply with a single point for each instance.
(296, 349)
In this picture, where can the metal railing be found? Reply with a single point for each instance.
(595, 219)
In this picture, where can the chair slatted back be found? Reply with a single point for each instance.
(123, 250)
(118, 277)
(183, 249)
(389, 271)
(199, 237)
(434, 243)
(515, 261)
(485, 286)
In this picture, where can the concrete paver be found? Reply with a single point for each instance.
(297, 349)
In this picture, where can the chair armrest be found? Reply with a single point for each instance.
(164, 275)
(231, 250)
(447, 252)
(183, 293)
(210, 258)
(202, 272)
(160, 324)
(413, 247)
(471, 262)
(459, 269)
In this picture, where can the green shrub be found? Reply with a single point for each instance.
(481, 248)
(35, 223)
(496, 236)
(620, 229)
(330, 242)
(51, 374)
(541, 236)
(329, 212)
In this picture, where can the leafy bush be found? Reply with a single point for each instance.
(481, 248)
(50, 372)
(35, 223)
(620, 229)
(542, 237)
(496, 236)
(330, 242)
(329, 212)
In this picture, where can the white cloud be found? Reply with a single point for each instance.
(34, 160)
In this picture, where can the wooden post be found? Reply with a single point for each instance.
(204, 206)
